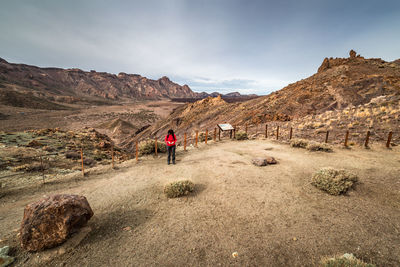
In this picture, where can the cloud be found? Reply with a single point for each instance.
(225, 45)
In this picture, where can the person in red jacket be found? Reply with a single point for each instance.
(170, 140)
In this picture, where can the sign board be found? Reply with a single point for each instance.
(225, 127)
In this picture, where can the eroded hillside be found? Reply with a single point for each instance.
(340, 83)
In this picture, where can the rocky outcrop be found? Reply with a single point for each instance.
(50, 221)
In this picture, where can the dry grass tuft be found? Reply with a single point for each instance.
(346, 260)
(314, 146)
(241, 136)
(299, 143)
(179, 188)
(334, 182)
(33, 167)
(148, 147)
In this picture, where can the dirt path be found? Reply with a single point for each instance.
(237, 207)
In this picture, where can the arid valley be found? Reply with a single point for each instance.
(180, 133)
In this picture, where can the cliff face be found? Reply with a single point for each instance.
(56, 82)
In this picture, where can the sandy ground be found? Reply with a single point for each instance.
(271, 216)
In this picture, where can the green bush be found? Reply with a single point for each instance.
(299, 143)
(241, 136)
(335, 182)
(314, 146)
(347, 260)
(148, 147)
(179, 188)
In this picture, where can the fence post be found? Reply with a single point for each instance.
(41, 166)
(266, 130)
(197, 136)
(326, 137)
(389, 139)
(215, 134)
(155, 146)
(367, 140)
(137, 151)
(184, 143)
(112, 155)
(290, 133)
(83, 170)
(206, 136)
(346, 138)
(277, 132)
(246, 128)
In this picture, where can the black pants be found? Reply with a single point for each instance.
(171, 150)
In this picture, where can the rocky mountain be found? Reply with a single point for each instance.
(69, 85)
(339, 83)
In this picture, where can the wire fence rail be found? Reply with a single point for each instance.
(268, 131)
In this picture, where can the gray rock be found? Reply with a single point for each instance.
(259, 161)
(4, 250)
(5, 260)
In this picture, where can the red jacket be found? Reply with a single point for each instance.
(170, 140)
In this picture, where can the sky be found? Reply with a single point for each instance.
(221, 45)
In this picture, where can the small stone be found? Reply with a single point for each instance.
(128, 228)
(235, 254)
(4, 250)
(259, 162)
(271, 160)
(294, 239)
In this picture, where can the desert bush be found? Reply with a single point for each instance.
(241, 136)
(347, 260)
(33, 167)
(148, 147)
(72, 155)
(202, 137)
(179, 188)
(299, 143)
(335, 182)
(314, 146)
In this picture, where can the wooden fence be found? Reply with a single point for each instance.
(271, 131)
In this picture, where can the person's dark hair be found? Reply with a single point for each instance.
(171, 132)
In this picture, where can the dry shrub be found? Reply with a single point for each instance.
(148, 147)
(335, 182)
(299, 143)
(314, 146)
(33, 167)
(347, 260)
(241, 136)
(179, 188)
(202, 137)
(72, 155)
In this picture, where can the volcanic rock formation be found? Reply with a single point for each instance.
(49, 222)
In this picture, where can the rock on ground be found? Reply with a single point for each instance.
(5, 260)
(49, 221)
(263, 161)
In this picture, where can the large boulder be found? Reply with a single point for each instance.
(50, 221)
